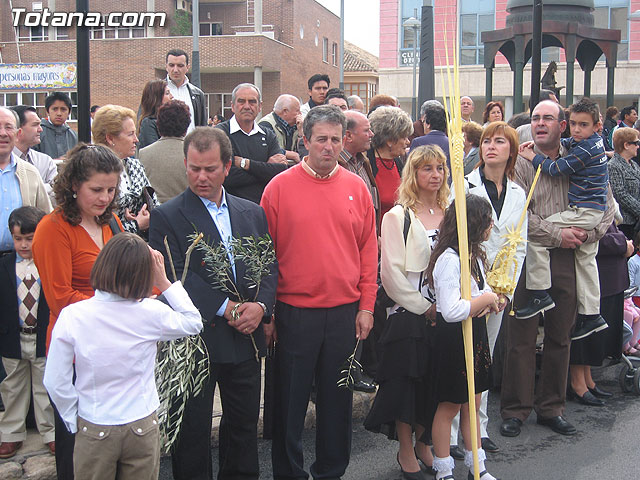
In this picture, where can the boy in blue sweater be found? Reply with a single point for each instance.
(586, 166)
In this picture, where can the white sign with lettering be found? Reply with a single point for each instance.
(34, 76)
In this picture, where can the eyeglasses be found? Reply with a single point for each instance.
(636, 143)
(544, 118)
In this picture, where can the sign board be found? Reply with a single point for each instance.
(405, 57)
(37, 76)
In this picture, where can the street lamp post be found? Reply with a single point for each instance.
(414, 24)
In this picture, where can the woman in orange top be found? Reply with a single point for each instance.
(67, 242)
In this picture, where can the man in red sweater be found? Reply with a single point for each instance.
(322, 221)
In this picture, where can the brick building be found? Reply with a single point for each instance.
(468, 19)
(299, 38)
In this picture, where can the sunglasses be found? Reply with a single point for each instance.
(636, 143)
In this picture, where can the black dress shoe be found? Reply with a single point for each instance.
(456, 452)
(588, 326)
(410, 475)
(489, 445)
(600, 393)
(484, 472)
(423, 466)
(510, 427)
(363, 386)
(558, 424)
(589, 399)
(534, 306)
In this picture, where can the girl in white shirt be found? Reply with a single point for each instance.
(450, 382)
(112, 337)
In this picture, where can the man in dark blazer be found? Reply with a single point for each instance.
(205, 207)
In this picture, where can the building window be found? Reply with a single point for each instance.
(476, 16)
(410, 8)
(614, 14)
(33, 34)
(210, 29)
(325, 50)
(62, 33)
(36, 99)
(366, 91)
(105, 31)
(334, 54)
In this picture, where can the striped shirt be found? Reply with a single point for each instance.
(551, 196)
(586, 167)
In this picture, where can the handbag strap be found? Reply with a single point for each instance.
(407, 224)
(115, 227)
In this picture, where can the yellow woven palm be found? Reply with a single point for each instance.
(502, 276)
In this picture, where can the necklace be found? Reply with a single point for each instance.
(92, 235)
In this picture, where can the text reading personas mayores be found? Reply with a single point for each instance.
(45, 18)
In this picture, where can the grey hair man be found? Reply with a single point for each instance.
(466, 108)
(320, 206)
(257, 156)
(355, 103)
(285, 121)
(22, 184)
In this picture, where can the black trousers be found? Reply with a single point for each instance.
(65, 442)
(312, 342)
(238, 450)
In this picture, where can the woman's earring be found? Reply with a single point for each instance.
(75, 195)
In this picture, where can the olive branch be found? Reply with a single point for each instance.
(256, 253)
(348, 369)
(182, 368)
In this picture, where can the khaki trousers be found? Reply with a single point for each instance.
(23, 377)
(121, 452)
(587, 282)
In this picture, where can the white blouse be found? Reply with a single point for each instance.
(446, 280)
(114, 342)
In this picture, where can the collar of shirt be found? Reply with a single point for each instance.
(289, 129)
(315, 174)
(234, 126)
(103, 296)
(19, 258)
(23, 155)
(11, 167)
(223, 202)
(312, 103)
(471, 150)
(171, 83)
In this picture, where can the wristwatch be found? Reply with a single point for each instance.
(266, 318)
(243, 163)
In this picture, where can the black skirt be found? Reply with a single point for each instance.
(405, 376)
(451, 372)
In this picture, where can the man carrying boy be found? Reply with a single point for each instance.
(586, 166)
(24, 316)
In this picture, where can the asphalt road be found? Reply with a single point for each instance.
(607, 445)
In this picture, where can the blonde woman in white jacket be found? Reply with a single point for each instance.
(403, 403)
(493, 180)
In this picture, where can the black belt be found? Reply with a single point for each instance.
(28, 330)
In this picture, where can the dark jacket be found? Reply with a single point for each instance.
(148, 132)
(56, 141)
(199, 106)
(258, 149)
(612, 262)
(9, 320)
(186, 214)
(371, 155)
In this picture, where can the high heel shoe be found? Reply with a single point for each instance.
(423, 465)
(410, 475)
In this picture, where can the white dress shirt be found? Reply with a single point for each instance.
(184, 94)
(446, 280)
(113, 341)
(234, 127)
